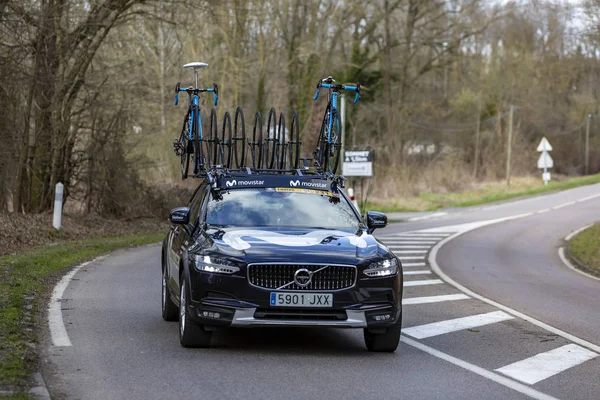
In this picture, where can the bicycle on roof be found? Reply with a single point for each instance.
(329, 146)
(191, 141)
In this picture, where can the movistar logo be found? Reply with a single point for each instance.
(244, 183)
(294, 183)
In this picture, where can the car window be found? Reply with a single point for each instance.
(272, 208)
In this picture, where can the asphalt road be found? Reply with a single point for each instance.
(455, 346)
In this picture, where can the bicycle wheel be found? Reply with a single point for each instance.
(280, 154)
(184, 147)
(256, 146)
(269, 145)
(225, 141)
(198, 159)
(334, 147)
(213, 138)
(294, 142)
(239, 138)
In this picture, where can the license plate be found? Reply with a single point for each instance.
(286, 299)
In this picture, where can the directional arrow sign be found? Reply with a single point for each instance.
(545, 161)
(544, 146)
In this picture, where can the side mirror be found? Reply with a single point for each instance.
(376, 220)
(180, 215)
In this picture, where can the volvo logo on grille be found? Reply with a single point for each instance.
(302, 277)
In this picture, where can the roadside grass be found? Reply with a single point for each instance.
(485, 193)
(585, 247)
(25, 281)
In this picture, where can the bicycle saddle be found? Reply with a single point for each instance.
(329, 79)
(195, 65)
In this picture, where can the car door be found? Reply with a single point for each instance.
(183, 236)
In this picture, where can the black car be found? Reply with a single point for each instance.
(267, 250)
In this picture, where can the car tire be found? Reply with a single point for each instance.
(385, 342)
(169, 309)
(191, 334)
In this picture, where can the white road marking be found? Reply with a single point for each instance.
(408, 265)
(434, 299)
(422, 283)
(509, 383)
(565, 260)
(421, 235)
(545, 210)
(544, 365)
(570, 203)
(412, 258)
(409, 251)
(388, 241)
(588, 198)
(394, 247)
(424, 272)
(435, 215)
(457, 324)
(58, 332)
(576, 232)
(464, 228)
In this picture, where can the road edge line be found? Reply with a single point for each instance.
(436, 268)
(576, 231)
(493, 376)
(58, 331)
(565, 260)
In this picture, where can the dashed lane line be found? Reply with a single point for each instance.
(434, 299)
(544, 365)
(457, 324)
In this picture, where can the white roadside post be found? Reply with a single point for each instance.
(58, 201)
(545, 161)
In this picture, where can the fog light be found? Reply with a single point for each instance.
(383, 317)
(210, 314)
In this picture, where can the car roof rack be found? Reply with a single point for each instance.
(239, 178)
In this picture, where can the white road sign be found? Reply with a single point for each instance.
(544, 145)
(545, 161)
(358, 163)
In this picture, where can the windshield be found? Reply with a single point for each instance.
(274, 208)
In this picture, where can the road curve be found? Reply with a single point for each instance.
(455, 347)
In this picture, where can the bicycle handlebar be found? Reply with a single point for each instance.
(338, 88)
(214, 90)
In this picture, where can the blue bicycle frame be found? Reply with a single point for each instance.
(195, 100)
(334, 100)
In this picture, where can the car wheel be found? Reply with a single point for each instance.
(191, 334)
(169, 309)
(385, 342)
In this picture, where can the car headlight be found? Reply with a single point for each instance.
(382, 268)
(215, 265)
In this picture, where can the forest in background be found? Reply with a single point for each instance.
(87, 88)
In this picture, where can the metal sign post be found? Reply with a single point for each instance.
(545, 161)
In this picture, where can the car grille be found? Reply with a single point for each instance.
(273, 276)
(291, 314)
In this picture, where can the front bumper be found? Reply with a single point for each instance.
(245, 318)
(220, 300)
